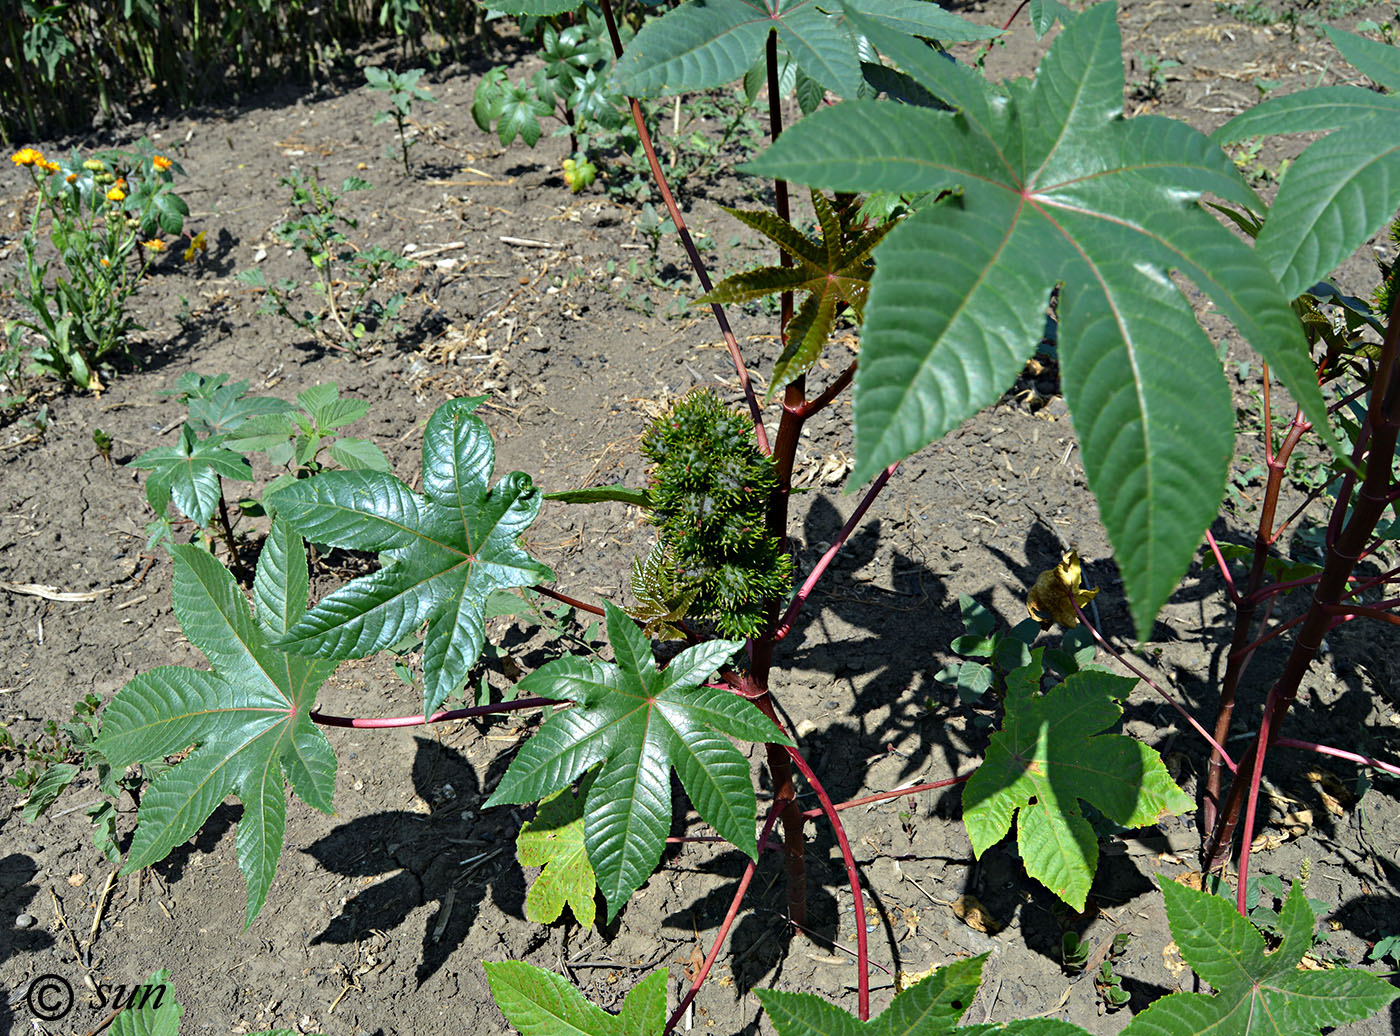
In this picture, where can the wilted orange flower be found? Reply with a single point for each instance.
(116, 194)
(160, 162)
(27, 156)
(71, 178)
(155, 244)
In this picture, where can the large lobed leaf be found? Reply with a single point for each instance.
(930, 1007)
(1344, 187)
(249, 717)
(443, 552)
(708, 43)
(1049, 754)
(541, 1003)
(1257, 992)
(639, 723)
(1049, 185)
(189, 474)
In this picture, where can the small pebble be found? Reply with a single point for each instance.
(25, 921)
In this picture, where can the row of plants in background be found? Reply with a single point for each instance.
(108, 217)
(1010, 198)
(70, 62)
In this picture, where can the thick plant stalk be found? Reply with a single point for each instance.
(1241, 651)
(1344, 550)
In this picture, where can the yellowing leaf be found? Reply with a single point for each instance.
(554, 841)
(1057, 591)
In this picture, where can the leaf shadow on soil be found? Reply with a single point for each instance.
(17, 873)
(432, 853)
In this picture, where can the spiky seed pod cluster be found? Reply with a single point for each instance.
(709, 490)
(1384, 294)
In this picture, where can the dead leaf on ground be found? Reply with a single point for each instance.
(977, 917)
(1171, 959)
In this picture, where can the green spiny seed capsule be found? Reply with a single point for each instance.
(710, 487)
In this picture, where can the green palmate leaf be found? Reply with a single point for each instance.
(153, 1010)
(704, 44)
(541, 1003)
(834, 271)
(249, 717)
(554, 841)
(930, 1007)
(189, 474)
(1050, 754)
(1049, 185)
(443, 552)
(639, 723)
(708, 43)
(1257, 992)
(1342, 188)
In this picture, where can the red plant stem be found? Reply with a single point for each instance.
(1273, 589)
(883, 796)
(1255, 645)
(1241, 651)
(1224, 568)
(728, 922)
(1123, 660)
(805, 591)
(833, 390)
(1353, 533)
(693, 253)
(1384, 577)
(592, 609)
(1347, 612)
(862, 950)
(370, 723)
(1249, 816)
(1338, 753)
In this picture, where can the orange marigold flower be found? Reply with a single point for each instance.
(71, 178)
(160, 162)
(104, 261)
(27, 156)
(155, 244)
(116, 194)
(51, 167)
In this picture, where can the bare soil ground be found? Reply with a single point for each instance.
(381, 914)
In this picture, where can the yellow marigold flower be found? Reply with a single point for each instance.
(116, 194)
(155, 244)
(27, 156)
(1056, 592)
(160, 162)
(51, 167)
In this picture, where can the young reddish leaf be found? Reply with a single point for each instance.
(249, 716)
(444, 552)
(541, 1003)
(1048, 755)
(1257, 992)
(833, 271)
(639, 723)
(1049, 185)
(554, 841)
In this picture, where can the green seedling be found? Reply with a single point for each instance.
(403, 90)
